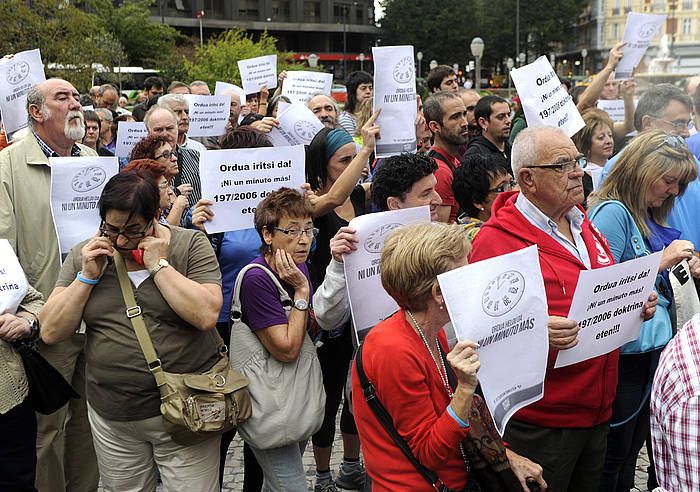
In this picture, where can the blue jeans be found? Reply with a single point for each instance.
(282, 467)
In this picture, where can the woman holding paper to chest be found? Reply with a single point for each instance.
(630, 209)
(429, 396)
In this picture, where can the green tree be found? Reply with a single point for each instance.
(218, 58)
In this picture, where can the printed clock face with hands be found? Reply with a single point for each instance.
(403, 70)
(88, 179)
(503, 293)
(375, 240)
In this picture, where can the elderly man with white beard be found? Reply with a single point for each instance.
(65, 454)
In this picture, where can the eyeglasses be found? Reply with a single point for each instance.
(114, 232)
(168, 154)
(678, 126)
(504, 187)
(310, 232)
(163, 186)
(563, 167)
(673, 141)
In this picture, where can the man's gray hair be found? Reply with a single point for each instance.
(34, 97)
(654, 101)
(147, 117)
(335, 103)
(198, 82)
(107, 87)
(525, 149)
(168, 99)
(105, 112)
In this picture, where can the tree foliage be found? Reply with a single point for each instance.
(444, 33)
(218, 58)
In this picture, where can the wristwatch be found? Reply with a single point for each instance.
(33, 326)
(301, 304)
(162, 263)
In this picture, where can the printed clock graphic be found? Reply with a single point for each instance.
(88, 179)
(503, 293)
(17, 72)
(403, 70)
(375, 241)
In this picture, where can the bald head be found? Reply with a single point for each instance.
(163, 121)
(325, 109)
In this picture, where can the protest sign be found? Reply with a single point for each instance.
(236, 180)
(128, 135)
(369, 302)
(607, 305)
(501, 304)
(224, 88)
(256, 72)
(76, 186)
(544, 100)
(640, 29)
(208, 115)
(298, 126)
(614, 107)
(13, 283)
(17, 77)
(395, 94)
(300, 86)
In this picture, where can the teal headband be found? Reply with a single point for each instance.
(336, 138)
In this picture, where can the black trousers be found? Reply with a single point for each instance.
(18, 448)
(572, 458)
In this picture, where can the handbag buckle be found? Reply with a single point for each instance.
(219, 380)
(133, 311)
(156, 364)
(369, 392)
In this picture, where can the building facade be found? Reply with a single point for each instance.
(340, 32)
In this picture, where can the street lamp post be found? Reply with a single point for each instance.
(433, 64)
(419, 57)
(200, 16)
(477, 48)
(510, 64)
(584, 54)
(313, 60)
(361, 57)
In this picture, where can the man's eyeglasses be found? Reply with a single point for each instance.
(678, 126)
(168, 154)
(563, 167)
(114, 232)
(310, 232)
(504, 187)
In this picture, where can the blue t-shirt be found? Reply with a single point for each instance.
(684, 215)
(238, 248)
(694, 144)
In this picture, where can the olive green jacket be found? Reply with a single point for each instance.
(25, 211)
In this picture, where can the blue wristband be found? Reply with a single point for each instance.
(79, 277)
(462, 423)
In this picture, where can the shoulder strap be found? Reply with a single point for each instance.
(236, 312)
(133, 312)
(439, 157)
(385, 419)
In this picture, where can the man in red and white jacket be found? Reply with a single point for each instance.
(565, 431)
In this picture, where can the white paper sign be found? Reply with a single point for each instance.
(128, 135)
(208, 115)
(369, 302)
(501, 304)
(614, 107)
(224, 88)
(300, 86)
(395, 94)
(17, 77)
(298, 126)
(544, 100)
(639, 31)
(13, 283)
(76, 186)
(236, 180)
(256, 72)
(607, 304)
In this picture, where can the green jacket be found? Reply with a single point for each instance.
(25, 211)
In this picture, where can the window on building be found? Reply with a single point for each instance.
(247, 9)
(312, 11)
(212, 8)
(628, 6)
(340, 12)
(616, 7)
(280, 10)
(687, 4)
(658, 5)
(359, 13)
(614, 31)
(687, 26)
(179, 5)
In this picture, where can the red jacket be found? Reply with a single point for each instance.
(408, 384)
(579, 395)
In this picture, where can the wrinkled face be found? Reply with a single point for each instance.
(92, 133)
(340, 161)
(180, 90)
(449, 83)
(324, 109)
(235, 110)
(601, 144)
(298, 247)
(611, 88)
(423, 193)
(663, 188)
(497, 127)
(164, 192)
(105, 126)
(364, 92)
(61, 113)
(182, 110)
(674, 120)
(454, 123)
(161, 122)
(108, 100)
(166, 155)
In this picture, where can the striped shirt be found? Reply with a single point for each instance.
(188, 161)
